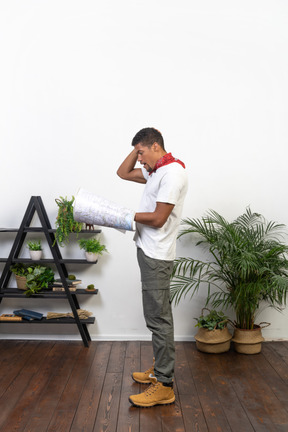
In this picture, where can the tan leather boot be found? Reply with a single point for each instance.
(143, 377)
(156, 394)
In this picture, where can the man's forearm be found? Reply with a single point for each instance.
(127, 165)
(127, 170)
(157, 218)
(149, 219)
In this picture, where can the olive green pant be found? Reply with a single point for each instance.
(155, 278)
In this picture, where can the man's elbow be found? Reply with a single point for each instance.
(159, 222)
(120, 174)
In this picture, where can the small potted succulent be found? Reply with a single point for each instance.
(90, 288)
(35, 249)
(92, 248)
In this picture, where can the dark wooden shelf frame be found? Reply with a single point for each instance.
(49, 261)
(36, 205)
(64, 320)
(16, 293)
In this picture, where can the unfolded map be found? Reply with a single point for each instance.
(95, 210)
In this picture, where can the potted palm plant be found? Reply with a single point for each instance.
(92, 248)
(248, 268)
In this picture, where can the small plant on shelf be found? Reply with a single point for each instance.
(38, 278)
(34, 245)
(92, 247)
(35, 249)
(19, 269)
(90, 287)
(65, 223)
(33, 278)
(20, 272)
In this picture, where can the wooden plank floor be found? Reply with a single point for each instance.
(64, 387)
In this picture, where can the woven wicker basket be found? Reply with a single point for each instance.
(213, 341)
(21, 282)
(248, 341)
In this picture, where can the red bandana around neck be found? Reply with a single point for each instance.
(166, 160)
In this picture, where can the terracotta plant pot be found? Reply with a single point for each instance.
(248, 341)
(213, 341)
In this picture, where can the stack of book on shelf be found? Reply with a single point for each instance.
(28, 315)
(10, 317)
(20, 314)
(72, 284)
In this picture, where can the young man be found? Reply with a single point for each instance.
(157, 225)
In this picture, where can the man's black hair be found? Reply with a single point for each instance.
(147, 137)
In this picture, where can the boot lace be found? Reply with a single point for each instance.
(152, 389)
(149, 371)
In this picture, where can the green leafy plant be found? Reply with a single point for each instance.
(213, 320)
(90, 287)
(65, 223)
(92, 245)
(71, 277)
(38, 277)
(248, 267)
(19, 269)
(34, 245)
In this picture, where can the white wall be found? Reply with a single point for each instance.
(79, 79)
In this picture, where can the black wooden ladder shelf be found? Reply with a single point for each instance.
(36, 205)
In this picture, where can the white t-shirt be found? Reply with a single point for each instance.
(168, 184)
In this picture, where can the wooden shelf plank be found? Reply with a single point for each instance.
(16, 293)
(51, 260)
(65, 320)
(50, 230)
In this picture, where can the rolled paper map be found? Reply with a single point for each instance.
(95, 210)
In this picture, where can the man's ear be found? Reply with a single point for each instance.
(155, 146)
